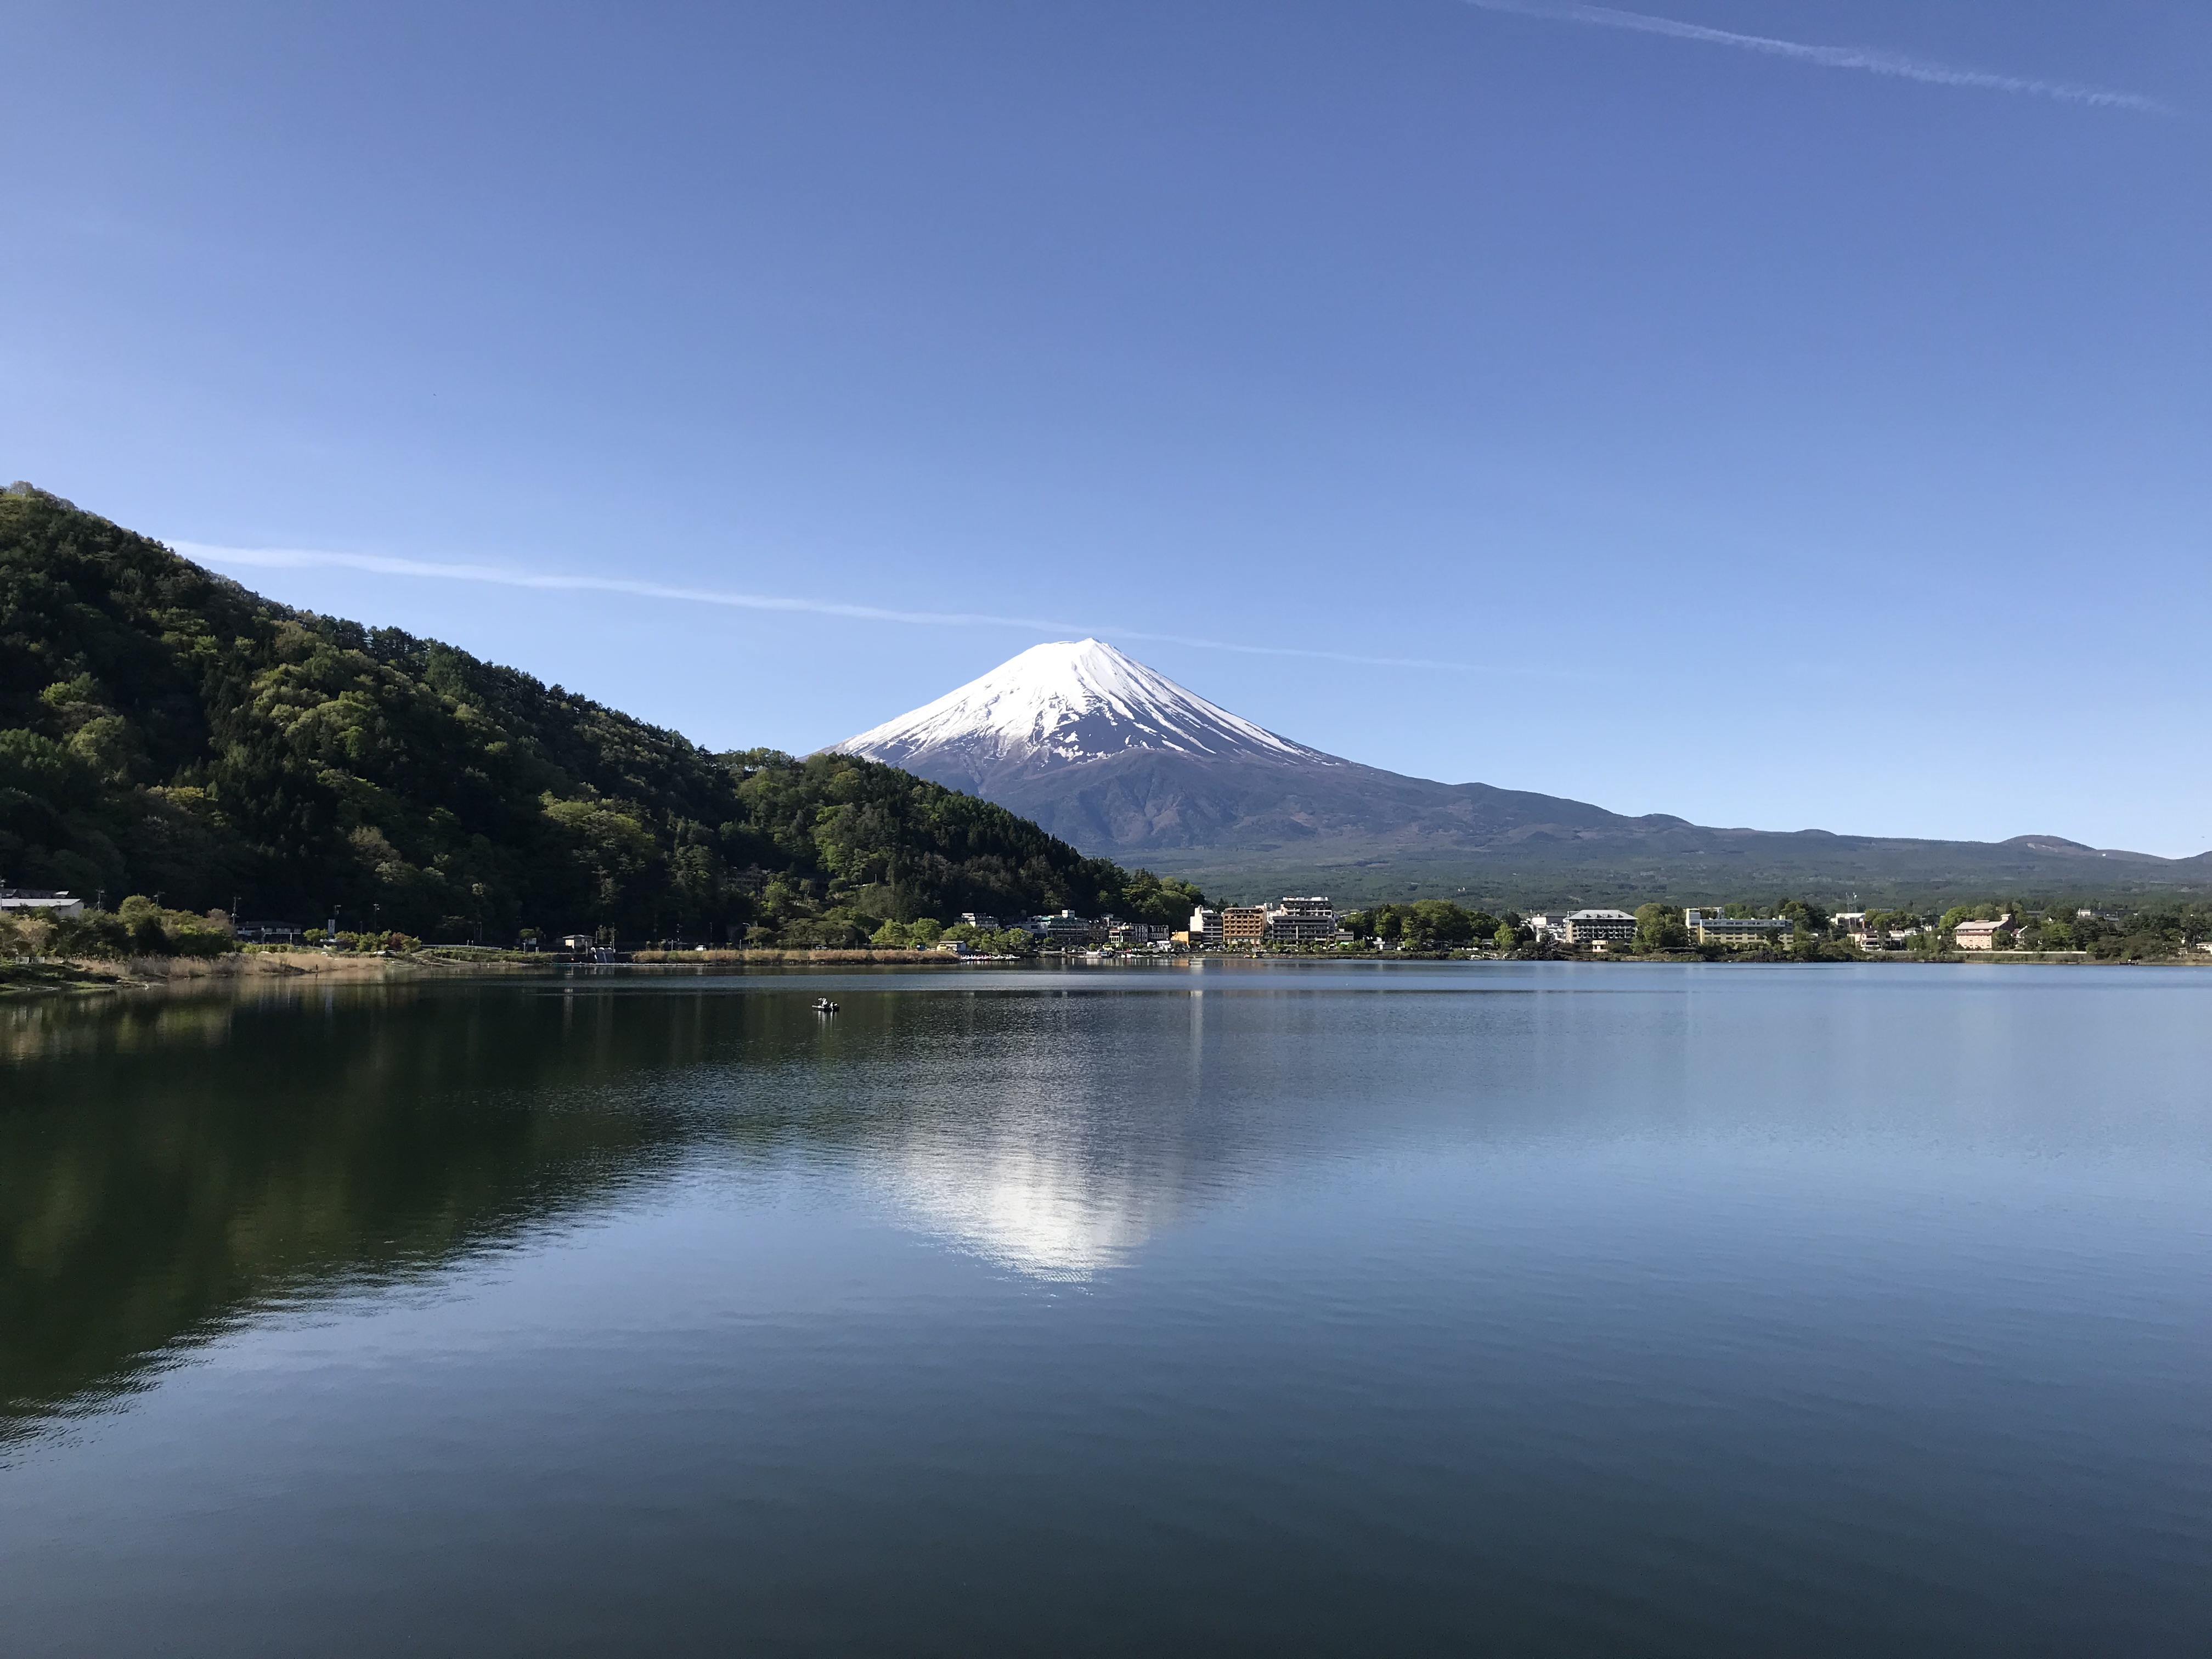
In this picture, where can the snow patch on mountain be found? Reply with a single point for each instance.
(1070, 701)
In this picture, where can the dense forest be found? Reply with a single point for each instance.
(165, 732)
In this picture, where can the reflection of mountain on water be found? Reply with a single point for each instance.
(170, 1165)
(1038, 1208)
(1040, 1136)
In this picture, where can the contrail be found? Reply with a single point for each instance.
(1870, 59)
(298, 558)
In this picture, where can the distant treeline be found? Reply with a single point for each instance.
(1437, 925)
(2130, 935)
(165, 732)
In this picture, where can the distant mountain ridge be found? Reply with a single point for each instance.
(1120, 761)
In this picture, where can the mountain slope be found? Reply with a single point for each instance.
(163, 729)
(1119, 760)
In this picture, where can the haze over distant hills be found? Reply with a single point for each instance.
(1119, 760)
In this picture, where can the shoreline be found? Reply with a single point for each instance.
(80, 975)
(77, 976)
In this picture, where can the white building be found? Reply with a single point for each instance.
(1301, 920)
(34, 901)
(1713, 927)
(1599, 927)
(1067, 928)
(1206, 926)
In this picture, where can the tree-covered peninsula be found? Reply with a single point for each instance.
(165, 732)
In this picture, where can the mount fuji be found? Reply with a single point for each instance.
(1059, 706)
(1118, 759)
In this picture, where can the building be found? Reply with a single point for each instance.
(1875, 938)
(1301, 920)
(1599, 928)
(37, 902)
(1982, 935)
(1243, 924)
(980, 923)
(1136, 934)
(1554, 926)
(1711, 927)
(1206, 926)
(1067, 928)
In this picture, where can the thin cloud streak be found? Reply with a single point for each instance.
(293, 559)
(1869, 59)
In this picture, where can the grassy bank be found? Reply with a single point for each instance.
(64, 973)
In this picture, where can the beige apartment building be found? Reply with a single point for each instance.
(1979, 935)
(1243, 924)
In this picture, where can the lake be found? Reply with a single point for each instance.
(1224, 1309)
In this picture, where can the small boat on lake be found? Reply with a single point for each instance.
(824, 1006)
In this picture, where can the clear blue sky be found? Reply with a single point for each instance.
(1766, 436)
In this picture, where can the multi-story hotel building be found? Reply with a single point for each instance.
(1301, 920)
(1711, 927)
(1599, 928)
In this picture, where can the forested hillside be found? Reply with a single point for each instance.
(164, 731)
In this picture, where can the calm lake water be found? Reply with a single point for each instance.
(1304, 1309)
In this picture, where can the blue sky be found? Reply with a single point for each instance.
(1673, 414)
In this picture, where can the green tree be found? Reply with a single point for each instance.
(1659, 927)
(1161, 901)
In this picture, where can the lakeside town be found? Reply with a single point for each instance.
(1792, 929)
(38, 925)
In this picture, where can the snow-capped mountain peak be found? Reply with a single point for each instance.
(1073, 700)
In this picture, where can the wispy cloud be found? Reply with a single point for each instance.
(1869, 59)
(302, 558)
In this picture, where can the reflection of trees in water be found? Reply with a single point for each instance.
(166, 1165)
